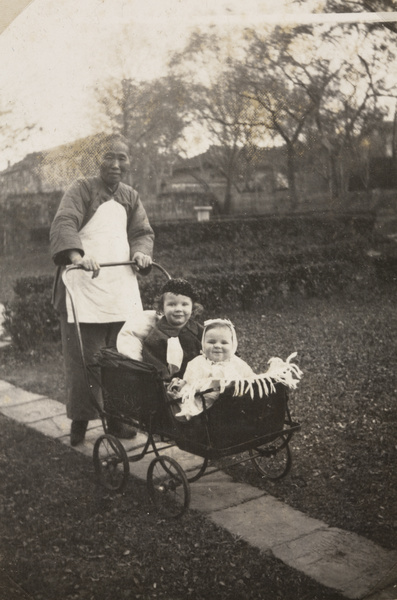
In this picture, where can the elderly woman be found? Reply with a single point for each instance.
(100, 219)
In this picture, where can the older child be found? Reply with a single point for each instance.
(218, 361)
(176, 337)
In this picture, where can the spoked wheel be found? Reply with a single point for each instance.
(194, 473)
(111, 462)
(168, 487)
(273, 461)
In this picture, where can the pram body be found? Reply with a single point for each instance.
(254, 426)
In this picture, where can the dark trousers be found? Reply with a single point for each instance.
(80, 406)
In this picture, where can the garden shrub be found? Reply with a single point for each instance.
(30, 318)
(25, 286)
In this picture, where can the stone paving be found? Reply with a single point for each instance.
(354, 566)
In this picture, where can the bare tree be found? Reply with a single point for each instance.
(286, 90)
(225, 113)
(217, 104)
(317, 92)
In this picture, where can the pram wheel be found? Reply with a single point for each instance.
(111, 462)
(274, 460)
(194, 473)
(168, 487)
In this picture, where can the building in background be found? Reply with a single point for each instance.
(30, 190)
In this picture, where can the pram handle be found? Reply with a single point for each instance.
(121, 264)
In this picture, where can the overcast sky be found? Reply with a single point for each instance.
(55, 52)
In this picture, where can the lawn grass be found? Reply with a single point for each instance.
(345, 455)
(64, 537)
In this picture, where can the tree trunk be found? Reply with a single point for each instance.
(395, 145)
(227, 206)
(333, 176)
(291, 177)
(337, 176)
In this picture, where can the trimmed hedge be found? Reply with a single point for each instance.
(265, 229)
(233, 264)
(249, 289)
(31, 320)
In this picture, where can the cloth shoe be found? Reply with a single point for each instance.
(119, 429)
(77, 432)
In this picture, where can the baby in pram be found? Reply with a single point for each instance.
(217, 363)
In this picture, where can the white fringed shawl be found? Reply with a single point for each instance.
(279, 371)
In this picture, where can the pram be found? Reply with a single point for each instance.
(250, 422)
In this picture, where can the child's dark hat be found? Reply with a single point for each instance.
(180, 286)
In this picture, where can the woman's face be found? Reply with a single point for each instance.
(115, 164)
(218, 344)
(177, 309)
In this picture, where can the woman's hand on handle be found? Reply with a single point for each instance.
(143, 261)
(88, 263)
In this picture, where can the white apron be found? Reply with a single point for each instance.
(113, 295)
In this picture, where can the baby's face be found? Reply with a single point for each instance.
(177, 309)
(218, 344)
